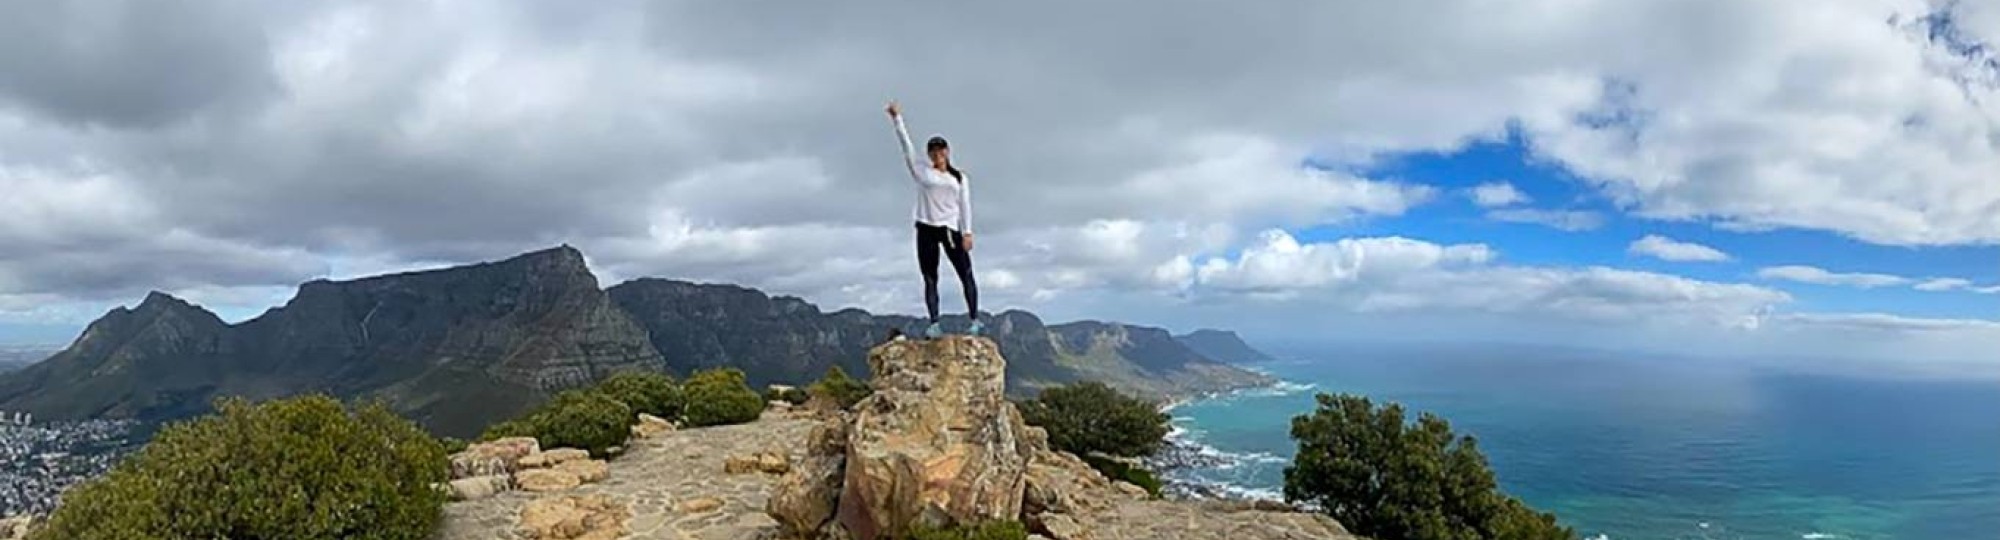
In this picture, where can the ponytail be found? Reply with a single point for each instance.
(953, 169)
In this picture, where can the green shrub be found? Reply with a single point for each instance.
(720, 396)
(991, 530)
(650, 393)
(1120, 471)
(453, 445)
(793, 396)
(1089, 417)
(1385, 478)
(304, 467)
(836, 385)
(583, 419)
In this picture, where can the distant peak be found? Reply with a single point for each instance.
(562, 253)
(156, 301)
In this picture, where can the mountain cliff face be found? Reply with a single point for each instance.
(787, 340)
(459, 348)
(1222, 345)
(454, 349)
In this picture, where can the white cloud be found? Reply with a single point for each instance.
(1400, 274)
(1942, 284)
(1819, 276)
(1668, 249)
(1497, 194)
(1567, 220)
(681, 139)
(1883, 322)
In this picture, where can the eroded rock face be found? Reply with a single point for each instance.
(937, 444)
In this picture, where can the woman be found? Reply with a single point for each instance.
(944, 220)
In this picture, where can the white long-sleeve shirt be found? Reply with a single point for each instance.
(942, 200)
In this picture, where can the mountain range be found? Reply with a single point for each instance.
(459, 348)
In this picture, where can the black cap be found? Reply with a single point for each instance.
(936, 142)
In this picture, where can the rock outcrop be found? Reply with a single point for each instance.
(936, 445)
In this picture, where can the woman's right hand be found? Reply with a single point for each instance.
(894, 109)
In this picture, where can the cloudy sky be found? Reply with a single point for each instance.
(1785, 178)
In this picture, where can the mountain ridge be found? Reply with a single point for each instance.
(457, 348)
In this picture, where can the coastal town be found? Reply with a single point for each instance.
(39, 461)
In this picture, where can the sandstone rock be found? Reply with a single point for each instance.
(480, 487)
(739, 464)
(544, 480)
(17, 527)
(650, 426)
(1130, 489)
(803, 500)
(701, 505)
(586, 471)
(495, 457)
(764, 462)
(936, 444)
(588, 517)
(561, 455)
(1062, 527)
(773, 463)
(533, 461)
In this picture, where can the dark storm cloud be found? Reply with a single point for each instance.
(133, 63)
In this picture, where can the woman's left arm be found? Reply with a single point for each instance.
(965, 211)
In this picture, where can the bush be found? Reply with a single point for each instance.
(650, 393)
(585, 419)
(793, 396)
(1089, 417)
(453, 445)
(840, 388)
(992, 530)
(304, 467)
(720, 396)
(1123, 472)
(1384, 478)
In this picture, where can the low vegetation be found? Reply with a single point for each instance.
(1096, 422)
(840, 388)
(305, 467)
(721, 396)
(1125, 472)
(1383, 477)
(587, 419)
(650, 393)
(1090, 418)
(792, 395)
(992, 530)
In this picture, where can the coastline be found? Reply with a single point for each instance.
(1185, 451)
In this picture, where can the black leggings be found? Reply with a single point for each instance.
(929, 239)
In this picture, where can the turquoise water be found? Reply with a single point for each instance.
(1634, 450)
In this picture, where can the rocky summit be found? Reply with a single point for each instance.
(937, 444)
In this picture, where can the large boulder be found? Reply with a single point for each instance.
(937, 444)
(804, 500)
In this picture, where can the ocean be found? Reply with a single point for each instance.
(1642, 449)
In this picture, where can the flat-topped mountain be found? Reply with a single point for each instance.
(459, 348)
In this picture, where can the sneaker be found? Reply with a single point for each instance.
(977, 328)
(935, 331)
